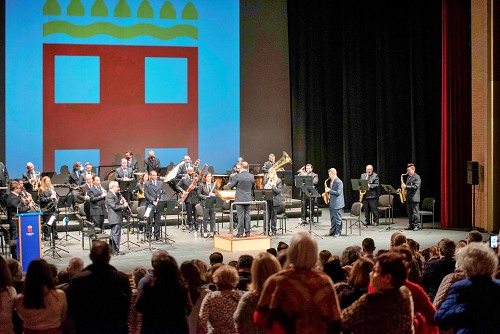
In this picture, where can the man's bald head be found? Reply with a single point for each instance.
(100, 252)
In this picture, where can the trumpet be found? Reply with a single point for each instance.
(325, 195)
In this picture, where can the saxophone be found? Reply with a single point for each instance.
(402, 192)
(325, 195)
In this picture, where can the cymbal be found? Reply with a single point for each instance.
(139, 173)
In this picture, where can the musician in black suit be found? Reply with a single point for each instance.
(153, 191)
(206, 189)
(87, 171)
(412, 187)
(115, 204)
(245, 184)
(268, 164)
(48, 202)
(131, 162)
(182, 171)
(191, 199)
(4, 176)
(124, 173)
(370, 198)
(15, 205)
(152, 163)
(73, 177)
(97, 205)
(307, 170)
(84, 195)
(274, 183)
(238, 162)
(30, 177)
(139, 189)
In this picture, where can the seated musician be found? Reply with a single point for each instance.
(48, 204)
(139, 189)
(192, 197)
(124, 173)
(73, 180)
(87, 171)
(31, 179)
(16, 203)
(206, 189)
(268, 164)
(238, 162)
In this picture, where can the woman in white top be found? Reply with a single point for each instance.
(7, 297)
(41, 306)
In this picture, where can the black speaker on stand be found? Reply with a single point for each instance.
(473, 179)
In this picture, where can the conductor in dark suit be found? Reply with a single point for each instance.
(412, 186)
(115, 205)
(370, 199)
(192, 198)
(97, 196)
(15, 205)
(153, 190)
(245, 184)
(274, 183)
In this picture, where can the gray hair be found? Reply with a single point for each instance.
(303, 251)
(477, 259)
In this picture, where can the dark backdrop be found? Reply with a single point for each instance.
(365, 89)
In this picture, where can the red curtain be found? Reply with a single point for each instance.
(456, 114)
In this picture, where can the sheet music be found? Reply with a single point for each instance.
(51, 220)
(148, 211)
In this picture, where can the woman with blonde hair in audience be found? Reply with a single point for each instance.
(41, 306)
(472, 304)
(358, 282)
(264, 265)
(218, 307)
(7, 298)
(191, 273)
(299, 299)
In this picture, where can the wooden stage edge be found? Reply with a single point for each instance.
(229, 243)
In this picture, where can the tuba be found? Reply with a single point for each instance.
(285, 159)
(325, 195)
(402, 192)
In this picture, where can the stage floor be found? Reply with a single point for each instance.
(187, 246)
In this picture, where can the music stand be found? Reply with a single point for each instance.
(264, 195)
(127, 214)
(359, 185)
(302, 182)
(53, 250)
(66, 202)
(160, 207)
(127, 187)
(49, 174)
(390, 190)
(312, 193)
(210, 203)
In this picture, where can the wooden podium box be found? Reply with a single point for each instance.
(229, 243)
(29, 246)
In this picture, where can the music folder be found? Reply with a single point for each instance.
(388, 188)
(359, 184)
(263, 194)
(302, 181)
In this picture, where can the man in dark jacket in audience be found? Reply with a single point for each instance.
(437, 270)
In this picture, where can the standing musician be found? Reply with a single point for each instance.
(268, 164)
(182, 171)
(84, 195)
(206, 189)
(87, 171)
(152, 163)
(16, 204)
(115, 204)
(273, 182)
(97, 202)
(139, 189)
(245, 184)
(31, 177)
(191, 199)
(73, 178)
(370, 199)
(336, 191)
(412, 187)
(48, 204)
(124, 173)
(153, 190)
(307, 170)
(131, 162)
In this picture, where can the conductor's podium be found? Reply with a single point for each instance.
(229, 243)
(29, 246)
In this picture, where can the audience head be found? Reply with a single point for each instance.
(158, 257)
(75, 266)
(282, 256)
(360, 273)
(167, 272)
(335, 271)
(263, 266)
(16, 270)
(53, 272)
(368, 246)
(272, 251)
(5, 276)
(461, 244)
(324, 257)
(303, 251)
(63, 276)
(447, 247)
(233, 263)
(216, 257)
(245, 262)
(406, 253)
(414, 245)
(389, 272)
(477, 259)
(397, 239)
(281, 245)
(100, 252)
(191, 274)
(138, 273)
(38, 278)
(226, 277)
(474, 236)
(209, 276)
(202, 266)
(350, 255)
